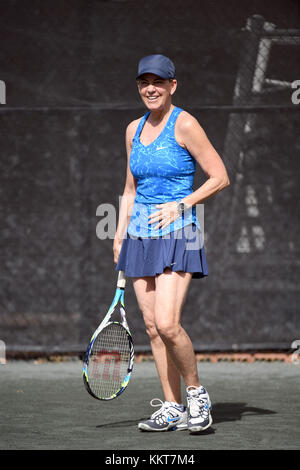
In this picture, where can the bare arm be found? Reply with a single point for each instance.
(191, 135)
(128, 195)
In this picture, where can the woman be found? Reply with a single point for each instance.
(158, 245)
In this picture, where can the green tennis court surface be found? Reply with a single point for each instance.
(45, 406)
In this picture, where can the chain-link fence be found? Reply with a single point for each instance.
(60, 162)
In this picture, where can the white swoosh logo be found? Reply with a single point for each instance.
(160, 148)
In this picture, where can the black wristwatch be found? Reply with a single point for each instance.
(181, 206)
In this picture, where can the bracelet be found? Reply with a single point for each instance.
(181, 207)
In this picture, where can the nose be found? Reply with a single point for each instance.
(151, 88)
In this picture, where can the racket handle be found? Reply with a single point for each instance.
(121, 280)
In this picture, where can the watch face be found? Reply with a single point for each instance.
(181, 206)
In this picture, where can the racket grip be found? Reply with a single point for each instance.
(121, 280)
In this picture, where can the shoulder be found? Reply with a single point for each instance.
(187, 129)
(131, 129)
(186, 122)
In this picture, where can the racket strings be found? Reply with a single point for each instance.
(109, 360)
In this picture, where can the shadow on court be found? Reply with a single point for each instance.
(45, 406)
(236, 411)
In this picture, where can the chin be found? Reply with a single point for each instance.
(155, 106)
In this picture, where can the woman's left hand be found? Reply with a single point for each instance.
(166, 215)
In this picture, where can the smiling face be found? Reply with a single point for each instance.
(155, 91)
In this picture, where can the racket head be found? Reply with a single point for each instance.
(108, 362)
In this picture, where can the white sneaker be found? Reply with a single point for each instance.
(169, 417)
(199, 406)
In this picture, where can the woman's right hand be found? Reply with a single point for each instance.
(117, 248)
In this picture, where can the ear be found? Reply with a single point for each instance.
(173, 86)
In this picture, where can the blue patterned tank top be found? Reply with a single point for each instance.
(165, 172)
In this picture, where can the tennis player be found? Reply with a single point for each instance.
(159, 242)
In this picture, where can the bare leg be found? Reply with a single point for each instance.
(170, 294)
(167, 371)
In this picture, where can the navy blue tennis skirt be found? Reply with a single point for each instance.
(180, 250)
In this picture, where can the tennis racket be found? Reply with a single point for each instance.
(109, 358)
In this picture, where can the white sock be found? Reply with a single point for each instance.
(180, 406)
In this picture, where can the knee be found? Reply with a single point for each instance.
(152, 332)
(168, 331)
(150, 328)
